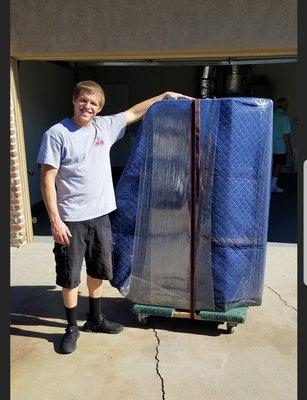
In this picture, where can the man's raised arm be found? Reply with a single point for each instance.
(136, 112)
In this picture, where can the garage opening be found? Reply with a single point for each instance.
(46, 88)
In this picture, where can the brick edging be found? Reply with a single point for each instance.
(17, 220)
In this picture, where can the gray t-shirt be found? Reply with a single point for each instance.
(84, 183)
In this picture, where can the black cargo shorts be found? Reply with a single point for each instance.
(91, 240)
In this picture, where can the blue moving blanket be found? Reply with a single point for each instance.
(151, 227)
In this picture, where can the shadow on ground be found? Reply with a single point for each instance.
(34, 306)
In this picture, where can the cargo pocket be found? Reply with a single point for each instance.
(61, 259)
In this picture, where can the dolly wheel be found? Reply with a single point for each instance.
(142, 319)
(230, 328)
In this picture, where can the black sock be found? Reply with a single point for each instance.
(71, 315)
(95, 307)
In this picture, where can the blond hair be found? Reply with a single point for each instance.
(89, 86)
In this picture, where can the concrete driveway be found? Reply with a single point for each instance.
(169, 359)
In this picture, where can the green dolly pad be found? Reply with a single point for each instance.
(234, 315)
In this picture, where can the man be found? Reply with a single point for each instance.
(281, 140)
(77, 189)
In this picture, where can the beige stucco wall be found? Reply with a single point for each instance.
(102, 29)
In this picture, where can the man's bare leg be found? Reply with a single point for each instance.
(70, 297)
(94, 287)
(97, 321)
(277, 170)
(275, 177)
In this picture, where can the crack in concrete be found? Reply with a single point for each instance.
(157, 363)
(284, 301)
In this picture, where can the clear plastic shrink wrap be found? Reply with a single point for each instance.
(228, 205)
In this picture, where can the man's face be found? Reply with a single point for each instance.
(283, 105)
(86, 107)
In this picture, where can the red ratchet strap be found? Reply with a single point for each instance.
(194, 168)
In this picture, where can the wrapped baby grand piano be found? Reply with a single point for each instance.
(190, 230)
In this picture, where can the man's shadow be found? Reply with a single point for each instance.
(36, 306)
(42, 306)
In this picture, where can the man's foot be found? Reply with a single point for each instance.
(69, 340)
(101, 325)
(276, 189)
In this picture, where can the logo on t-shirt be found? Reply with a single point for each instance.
(99, 142)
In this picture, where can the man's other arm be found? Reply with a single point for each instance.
(286, 137)
(60, 231)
